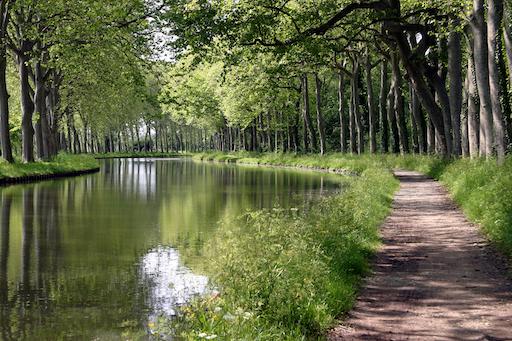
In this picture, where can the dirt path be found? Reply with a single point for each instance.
(434, 279)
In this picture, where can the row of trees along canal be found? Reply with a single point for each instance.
(307, 76)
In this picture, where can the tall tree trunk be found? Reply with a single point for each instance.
(464, 119)
(5, 137)
(356, 114)
(413, 107)
(504, 86)
(319, 116)
(295, 134)
(392, 118)
(38, 134)
(343, 121)
(419, 119)
(27, 108)
(455, 74)
(69, 140)
(473, 104)
(431, 137)
(85, 144)
(352, 114)
(399, 106)
(268, 130)
(52, 102)
(383, 113)
(494, 21)
(149, 139)
(372, 117)
(43, 128)
(137, 135)
(119, 141)
(481, 59)
(438, 83)
(507, 32)
(306, 113)
(415, 69)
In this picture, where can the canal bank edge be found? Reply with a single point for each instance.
(331, 247)
(142, 155)
(467, 181)
(42, 177)
(63, 166)
(204, 157)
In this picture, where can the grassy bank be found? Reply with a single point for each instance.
(481, 188)
(62, 164)
(287, 274)
(138, 155)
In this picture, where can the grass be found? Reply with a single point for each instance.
(288, 274)
(63, 163)
(481, 188)
(139, 155)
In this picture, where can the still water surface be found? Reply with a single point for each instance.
(99, 257)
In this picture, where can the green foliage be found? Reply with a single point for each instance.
(190, 94)
(484, 191)
(287, 274)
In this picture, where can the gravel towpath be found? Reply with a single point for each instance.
(435, 278)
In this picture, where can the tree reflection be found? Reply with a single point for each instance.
(5, 217)
(71, 251)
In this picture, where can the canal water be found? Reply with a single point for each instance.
(99, 257)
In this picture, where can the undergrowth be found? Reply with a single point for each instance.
(481, 188)
(287, 274)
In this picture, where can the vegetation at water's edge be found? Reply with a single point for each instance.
(287, 274)
(481, 188)
(140, 154)
(61, 164)
(308, 272)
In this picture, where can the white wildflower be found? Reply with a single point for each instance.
(228, 317)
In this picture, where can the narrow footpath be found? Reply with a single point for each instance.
(435, 278)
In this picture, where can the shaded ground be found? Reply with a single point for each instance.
(435, 278)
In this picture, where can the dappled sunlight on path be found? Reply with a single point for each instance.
(435, 277)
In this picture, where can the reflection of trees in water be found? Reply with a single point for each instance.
(68, 248)
(5, 217)
(148, 179)
(24, 303)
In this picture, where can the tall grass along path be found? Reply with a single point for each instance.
(435, 278)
